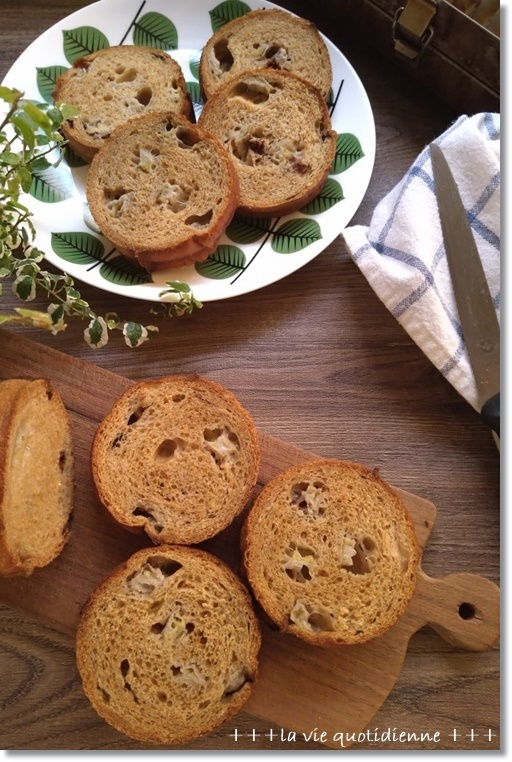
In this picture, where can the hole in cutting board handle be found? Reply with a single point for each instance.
(467, 611)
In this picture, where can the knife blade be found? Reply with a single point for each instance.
(477, 315)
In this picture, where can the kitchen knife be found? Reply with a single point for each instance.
(474, 302)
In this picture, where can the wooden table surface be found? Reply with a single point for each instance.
(319, 362)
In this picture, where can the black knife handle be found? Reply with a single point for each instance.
(491, 413)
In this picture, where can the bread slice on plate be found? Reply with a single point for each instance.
(162, 191)
(167, 646)
(36, 475)
(330, 553)
(265, 39)
(114, 84)
(177, 457)
(277, 130)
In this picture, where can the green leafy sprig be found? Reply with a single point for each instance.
(30, 142)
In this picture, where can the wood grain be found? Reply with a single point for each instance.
(321, 364)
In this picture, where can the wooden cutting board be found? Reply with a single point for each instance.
(300, 687)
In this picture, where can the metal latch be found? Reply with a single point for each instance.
(412, 28)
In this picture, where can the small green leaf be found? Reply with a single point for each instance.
(330, 99)
(295, 235)
(124, 272)
(227, 11)
(7, 157)
(47, 79)
(9, 94)
(225, 262)
(194, 65)
(25, 128)
(178, 286)
(78, 248)
(348, 151)
(96, 333)
(156, 31)
(83, 40)
(25, 178)
(331, 194)
(24, 287)
(195, 93)
(51, 185)
(247, 229)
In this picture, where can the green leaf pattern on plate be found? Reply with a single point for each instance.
(348, 151)
(124, 272)
(47, 79)
(194, 65)
(83, 40)
(331, 193)
(52, 185)
(295, 235)
(225, 262)
(247, 229)
(227, 11)
(78, 248)
(156, 31)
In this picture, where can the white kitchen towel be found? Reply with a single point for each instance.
(401, 252)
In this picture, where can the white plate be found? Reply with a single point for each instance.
(252, 254)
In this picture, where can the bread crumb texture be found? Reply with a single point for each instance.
(114, 84)
(330, 552)
(36, 475)
(167, 646)
(162, 191)
(178, 457)
(277, 129)
(265, 39)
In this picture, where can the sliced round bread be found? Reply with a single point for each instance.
(277, 129)
(265, 39)
(36, 475)
(162, 191)
(167, 646)
(177, 457)
(114, 84)
(330, 553)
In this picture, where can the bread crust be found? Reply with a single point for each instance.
(267, 38)
(105, 87)
(183, 474)
(150, 706)
(323, 567)
(277, 130)
(157, 231)
(15, 396)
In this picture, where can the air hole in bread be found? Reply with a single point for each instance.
(190, 674)
(116, 442)
(151, 576)
(144, 96)
(108, 97)
(200, 221)
(186, 138)
(104, 695)
(161, 696)
(167, 448)
(223, 445)
(125, 75)
(175, 197)
(157, 628)
(62, 460)
(178, 397)
(223, 55)
(253, 89)
(277, 57)
(151, 518)
(125, 667)
(309, 498)
(312, 617)
(136, 415)
(98, 127)
(49, 394)
(297, 562)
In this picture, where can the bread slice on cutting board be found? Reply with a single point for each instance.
(177, 457)
(36, 475)
(167, 646)
(330, 553)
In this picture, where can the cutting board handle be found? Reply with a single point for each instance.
(463, 608)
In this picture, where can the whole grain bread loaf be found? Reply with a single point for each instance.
(162, 191)
(330, 552)
(177, 457)
(277, 130)
(167, 646)
(36, 475)
(114, 84)
(265, 39)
